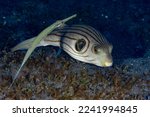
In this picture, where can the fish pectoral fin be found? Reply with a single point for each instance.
(58, 53)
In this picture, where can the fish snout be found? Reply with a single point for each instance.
(108, 64)
(108, 61)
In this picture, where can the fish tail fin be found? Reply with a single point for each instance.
(23, 45)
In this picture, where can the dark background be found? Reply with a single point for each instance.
(125, 23)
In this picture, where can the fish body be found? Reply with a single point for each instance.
(83, 43)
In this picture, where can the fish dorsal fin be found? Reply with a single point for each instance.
(38, 39)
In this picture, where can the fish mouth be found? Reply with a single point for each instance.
(108, 64)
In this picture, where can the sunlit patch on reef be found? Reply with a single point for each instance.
(47, 77)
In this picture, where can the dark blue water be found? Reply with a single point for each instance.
(125, 23)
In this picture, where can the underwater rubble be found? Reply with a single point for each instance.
(48, 77)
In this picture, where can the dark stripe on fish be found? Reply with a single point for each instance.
(62, 36)
(51, 40)
(66, 49)
(90, 30)
(83, 31)
(87, 30)
(73, 32)
(69, 46)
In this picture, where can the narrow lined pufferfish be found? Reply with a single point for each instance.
(83, 43)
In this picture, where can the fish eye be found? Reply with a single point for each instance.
(80, 44)
(96, 49)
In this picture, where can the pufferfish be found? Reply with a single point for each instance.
(83, 43)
